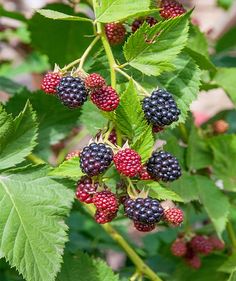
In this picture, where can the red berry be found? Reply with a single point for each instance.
(72, 154)
(102, 217)
(171, 9)
(94, 81)
(143, 174)
(138, 22)
(216, 243)
(179, 248)
(105, 98)
(174, 216)
(115, 33)
(128, 162)
(144, 227)
(50, 82)
(106, 201)
(194, 262)
(220, 127)
(201, 244)
(86, 190)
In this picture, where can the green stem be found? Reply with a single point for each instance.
(231, 234)
(70, 65)
(141, 266)
(87, 51)
(183, 132)
(35, 159)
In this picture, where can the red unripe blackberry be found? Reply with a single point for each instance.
(174, 216)
(50, 82)
(143, 174)
(163, 166)
(201, 244)
(179, 248)
(115, 33)
(144, 227)
(95, 158)
(72, 91)
(220, 127)
(138, 22)
(160, 109)
(86, 189)
(72, 154)
(106, 201)
(171, 9)
(105, 98)
(216, 243)
(144, 210)
(194, 261)
(94, 81)
(128, 162)
(103, 217)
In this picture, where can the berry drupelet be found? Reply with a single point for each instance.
(128, 162)
(160, 108)
(50, 82)
(174, 216)
(144, 210)
(95, 158)
(72, 91)
(94, 81)
(105, 98)
(115, 33)
(163, 166)
(171, 9)
(86, 189)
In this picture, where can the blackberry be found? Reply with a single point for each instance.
(73, 154)
(72, 91)
(160, 108)
(171, 9)
(144, 227)
(138, 22)
(95, 158)
(86, 190)
(143, 174)
(179, 248)
(144, 210)
(50, 82)
(194, 261)
(106, 200)
(115, 33)
(201, 244)
(163, 166)
(94, 81)
(174, 216)
(220, 127)
(216, 243)
(103, 217)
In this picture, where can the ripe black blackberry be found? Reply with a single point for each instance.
(163, 166)
(95, 158)
(72, 91)
(160, 108)
(144, 210)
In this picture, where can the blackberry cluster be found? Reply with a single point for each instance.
(86, 189)
(163, 166)
(171, 9)
(95, 158)
(160, 108)
(138, 22)
(72, 91)
(144, 210)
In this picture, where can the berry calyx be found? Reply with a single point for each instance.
(95, 158)
(106, 201)
(115, 33)
(171, 9)
(50, 82)
(174, 216)
(220, 127)
(163, 166)
(143, 174)
(105, 98)
(160, 108)
(72, 91)
(201, 244)
(73, 154)
(112, 136)
(144, 210)
(138, 22)
(86, 189)
(103, 217)
(94, 81)
(128, 162)
(216, 243)
(179, 248)
(144, 227)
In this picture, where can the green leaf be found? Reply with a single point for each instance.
(229, 265)
(129, 114)
(224, 158)
(162, 193)
(19, 140)
(153, 49)
(232, 276)
(69, 168)
(86, 269)
(116, 10)
(32, 231)
(9, 86)
(183, 83)
(225, 79)
(227, 41)
(60, 16)
(226, 4)
(12, 15)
